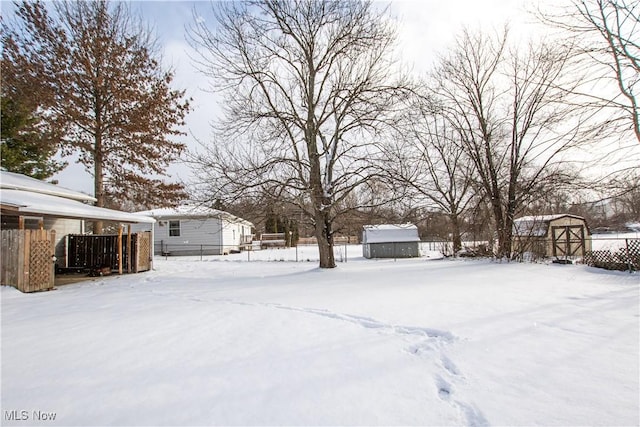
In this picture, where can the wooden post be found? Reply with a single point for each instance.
(119, 248)
(52, 239)
(20, 222)
(129, 257)
(25, 280)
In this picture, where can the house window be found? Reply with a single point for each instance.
(174, 228)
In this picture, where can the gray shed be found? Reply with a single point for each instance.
(390, 241)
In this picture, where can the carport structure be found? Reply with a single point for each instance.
(38, 217)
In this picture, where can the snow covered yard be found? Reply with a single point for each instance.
(407, 342)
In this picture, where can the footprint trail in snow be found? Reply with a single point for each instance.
(430, 346)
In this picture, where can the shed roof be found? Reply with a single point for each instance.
(35, 203)
(389, 233)
(537, 225)
(192, 212)
(16, 181)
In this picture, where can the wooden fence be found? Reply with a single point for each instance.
(28, 259)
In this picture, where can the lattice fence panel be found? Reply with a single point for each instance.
(627, 258)
(40, 270)
(143, 252)
(633, 245)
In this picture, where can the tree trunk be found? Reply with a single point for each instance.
(503, 249)
(322, 219)
(98, 181)
(504, 242)
(455, 233)
(325, 240)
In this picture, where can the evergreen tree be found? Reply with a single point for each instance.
(27, 145)
(22, 148)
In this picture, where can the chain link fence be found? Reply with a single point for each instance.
(602, 251)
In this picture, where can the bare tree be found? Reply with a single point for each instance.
(110, 100)
(432, 163)
(608, 32)
(513, 119)
(307, 85)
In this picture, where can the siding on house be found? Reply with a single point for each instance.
(193, 233)
(63, 227)
(202, 230)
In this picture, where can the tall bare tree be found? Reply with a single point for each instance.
(111, 101)
(433, 164)
(308, 85)
(608, 32)
(514, 120)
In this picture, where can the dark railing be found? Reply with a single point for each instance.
(89, 251)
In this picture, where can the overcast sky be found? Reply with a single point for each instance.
(425, 28)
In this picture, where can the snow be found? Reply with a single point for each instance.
(612, 241)
(530, 227)
(385, 233)
(16, 181)
(28, 202)
(537, 225)
(540, 218)
(224, 341)
(190, 211)
(182, 211)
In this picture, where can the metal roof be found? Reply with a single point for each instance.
(34, 203)
(537, 225)
(192, 212)
(389, 233)
(16, 181)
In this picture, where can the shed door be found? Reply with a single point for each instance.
(568, 241)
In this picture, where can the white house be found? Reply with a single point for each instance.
(195, 230)
(390, 241)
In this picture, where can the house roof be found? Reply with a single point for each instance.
(192, 212)
(537, 225)
(16, 181)
(389, 233)
(36, 203)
